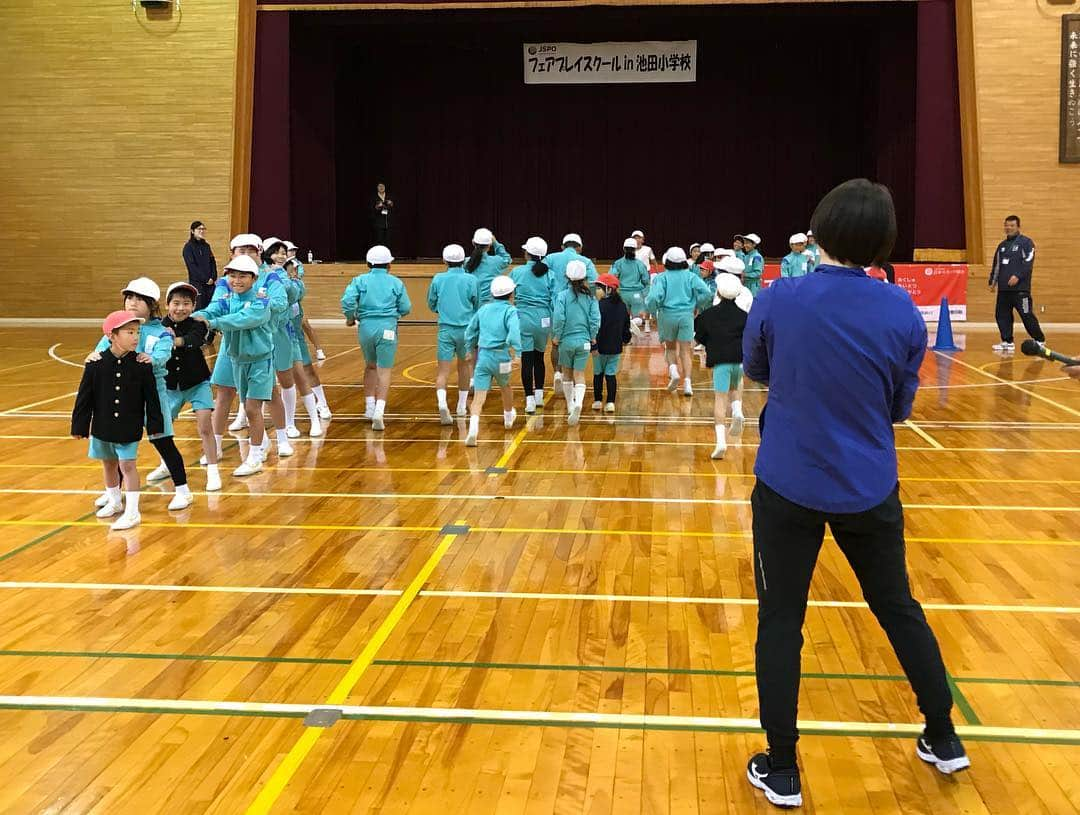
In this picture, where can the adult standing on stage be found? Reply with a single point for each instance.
(382, 213)
(201, 266)
(1010, 274)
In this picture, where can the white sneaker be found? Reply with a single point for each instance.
(293, 432)
(239, 423)
(530, 404)
(635, 327)
(444, 416)
(687, 390)
(101, 500)
(324, 412)
(249, 467)
(181, 501)
(597, 405)
(574, 415)
(463, 411)
(126, 521)
(111, 508)
(377, 422)
(719, 451)
(673, 384)
(539, 396)
(470, 440)
(508, 421)
(609, 407)
(159, 473)
(213, 482)
(369, 414)
(284, 450)
(1005, 346)
(203, 461)
(316, 428)
(737, 425)
(319, 355)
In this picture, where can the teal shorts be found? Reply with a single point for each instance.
(255, 380)
(635, 301)
(726, 376)
(112, 451)
(378, 341)
(675, 325)
(200, 397)
(283, 350)
(606, 364)
(535, 328)
(163, 400)
(491, 366)
(574, 353)
(223, 370)
(451, 343)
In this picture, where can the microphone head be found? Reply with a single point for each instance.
(1031, 348)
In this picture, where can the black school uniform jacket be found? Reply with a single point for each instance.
(614, 330)
(720, 330)
(116, 397)
(187, 366)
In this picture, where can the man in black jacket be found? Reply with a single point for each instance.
(1010, 273)
(201, 266)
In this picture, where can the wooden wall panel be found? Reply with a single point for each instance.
(117, 133)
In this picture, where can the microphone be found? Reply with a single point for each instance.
(1035, 349)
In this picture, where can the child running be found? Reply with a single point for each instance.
(614, 333)
(534, 299)
(633, 276)
(303, 367)
(494, 332)
(673, 298)
(488, 259)
(117, 395)
(720, 330)
(455, 297)
(576, 324)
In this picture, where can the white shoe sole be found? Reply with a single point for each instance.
(180, 502)
(470, 441)
(529, 411)
(244, 470)
(772, 797)
(597, 406)
(285, 450)
(718, 453)
(213, 486)
(444, 416)
(109, 510)
(609, 408)
(126, 522)
(377, 423)
(952, 765)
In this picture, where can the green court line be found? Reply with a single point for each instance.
(964, 705)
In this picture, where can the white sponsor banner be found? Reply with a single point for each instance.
(575, 63)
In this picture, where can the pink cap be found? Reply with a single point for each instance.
(118, 319)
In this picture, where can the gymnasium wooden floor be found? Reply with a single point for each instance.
(559, 620)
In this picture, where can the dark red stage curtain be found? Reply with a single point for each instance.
(270, 147)
(789, 101)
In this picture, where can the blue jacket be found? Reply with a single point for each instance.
(491, 266)
(375, 294)
(455, 296)
(557, 262)
(678, 290)
(494, 327)
(1014, 256)
(841, 355)
(532, 292)
(576, 317)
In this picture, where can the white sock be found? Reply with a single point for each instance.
(113, 493)
(311, 406)
(132, 507)
(282, 437)
(462, 400)
(380, 407)
(219, 440)
(506, 415)
(474, 425)
(183, 489)
(687, 382)
(568, 391)
(579, 394)
(320, 395)
(720, 436)
(440, 397)
(673, 370)
(736, 408)
(539, 395)
(241, 413)
(288, 397)
(369, 404)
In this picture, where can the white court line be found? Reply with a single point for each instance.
(515, 595)
(924, 435)
(35, 404)
(53, 354)
(1012, 385)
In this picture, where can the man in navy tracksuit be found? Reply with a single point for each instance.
(1011, 274)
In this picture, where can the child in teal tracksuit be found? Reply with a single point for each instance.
(534, 298)
(755, 263)
(576, 324)
(799, 262)
(633, 276)
(557, 262)
(494, 332)
(674, 297)
(377, 300)
(314, 400)
(489, 258)
(244, 318)
(455, 296)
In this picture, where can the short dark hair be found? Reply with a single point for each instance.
(1014, 218)
(271, 250)
(182, 291)
(196, 224)
(856, 222)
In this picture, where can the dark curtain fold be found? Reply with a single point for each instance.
(270, 145)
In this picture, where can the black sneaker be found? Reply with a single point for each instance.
(781, 787)
(946, 754)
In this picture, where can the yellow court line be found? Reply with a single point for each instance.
(273, 788)
(1013, 385)
(406, 374)
(505, 457)
(924, 435)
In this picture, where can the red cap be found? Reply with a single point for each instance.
(118, 319)
(608, 280)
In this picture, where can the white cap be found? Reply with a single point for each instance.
(707, 247)
(144, 286)
(724, 253)
(731, 265)
(245, 239)
(629, 243)
(694, 246)
(266, 244)
(194, 292)
(536, 246)
(379, 256)
(637, 233)
(675, 254)
(798, 237)
(752, 237)
(745, 299)
(572, 237)
(453, 253)
(502, 285)
(728, 286)
(575, 270)
(482, 237)
(242, 263)
(809, 233)
(292, 247)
